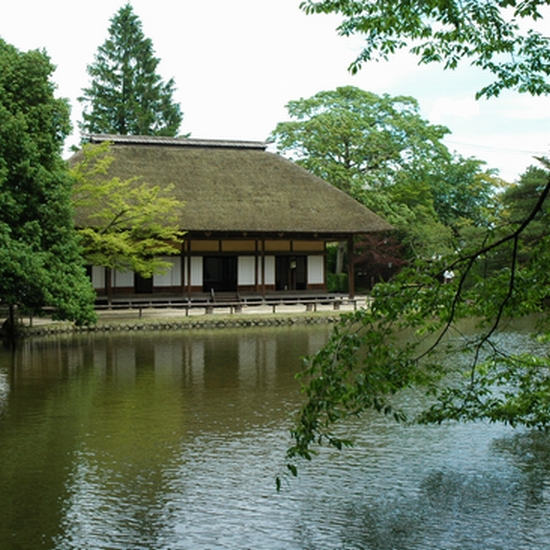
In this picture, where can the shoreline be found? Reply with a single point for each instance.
(173, 319)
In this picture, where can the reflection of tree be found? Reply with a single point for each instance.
(38, 439)
(99, 428)
(221, 362)
(530, 454)
(132, 436)
(439, 487)
(82, 418)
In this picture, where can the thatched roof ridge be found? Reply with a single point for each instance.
(236, 189)
(172, 141)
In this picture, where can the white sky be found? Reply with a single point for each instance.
(236, 64)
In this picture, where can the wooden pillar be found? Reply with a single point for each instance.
(263, 268)
(188, 267)
(351, 270)
(183, 255)
(325, 266)
(109, 285)
(256, 267)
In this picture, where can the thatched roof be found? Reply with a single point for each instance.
(239, 187)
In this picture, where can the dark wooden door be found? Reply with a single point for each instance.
(290, 273)
(143, 285)
(220, 273)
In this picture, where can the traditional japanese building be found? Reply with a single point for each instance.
(255, 222)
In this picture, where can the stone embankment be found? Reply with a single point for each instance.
(175, 324)
(155, 319)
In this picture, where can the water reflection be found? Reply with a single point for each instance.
(172, 441)
(100, 433)
(530, 454)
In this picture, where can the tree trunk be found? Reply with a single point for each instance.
(8, 330)
(340, 251)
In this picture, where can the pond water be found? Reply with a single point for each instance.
(172, 440)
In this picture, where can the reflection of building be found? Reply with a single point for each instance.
(255, 221)
(244, 362)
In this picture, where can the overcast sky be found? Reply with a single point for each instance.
(236, 64)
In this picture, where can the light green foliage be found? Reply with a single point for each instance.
(126, 95)
(40, 264)
(357, 140)
(123, 224)
(405, 339)
(495, 35)
(379, 150)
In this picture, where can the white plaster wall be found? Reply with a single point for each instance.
(269, 262)
(122, 278)
(196, 271)
(173, 276)
(245, 270)
(98, 276)
(315, 270)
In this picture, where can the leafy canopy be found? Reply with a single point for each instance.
(355, 139)
(126, 95)
(40, 263)
(495, 35)
(123, 224)
(519, 199)
(380, 151)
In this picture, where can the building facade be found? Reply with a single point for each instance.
(255, 222)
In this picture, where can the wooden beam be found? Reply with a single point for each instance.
(351, 268)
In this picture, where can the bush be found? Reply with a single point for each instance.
(337, 282)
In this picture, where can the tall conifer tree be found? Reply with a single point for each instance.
(126, 95)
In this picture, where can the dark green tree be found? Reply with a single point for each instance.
(520, 199)
(464, 191)
(40, 264)
(126, 95)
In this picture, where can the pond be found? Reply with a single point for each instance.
(172, 440)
